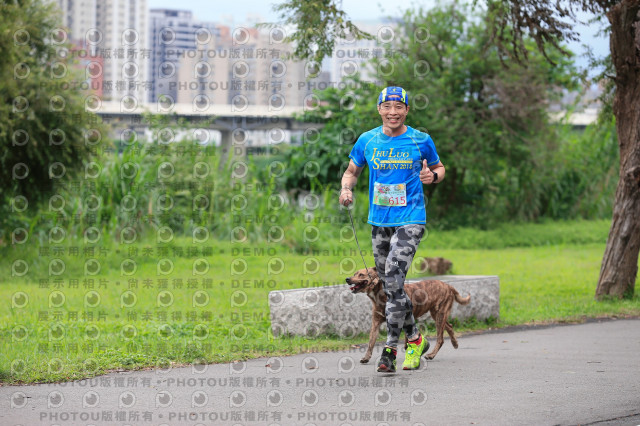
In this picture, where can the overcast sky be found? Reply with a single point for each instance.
(239, 12)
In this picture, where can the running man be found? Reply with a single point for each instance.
(400, 160)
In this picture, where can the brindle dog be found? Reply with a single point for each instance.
(433, 296)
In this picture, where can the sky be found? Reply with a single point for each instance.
(240, 12)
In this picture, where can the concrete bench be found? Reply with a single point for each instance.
(334, 309)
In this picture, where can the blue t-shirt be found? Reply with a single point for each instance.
(394, 168)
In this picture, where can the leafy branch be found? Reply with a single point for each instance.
(318, 24)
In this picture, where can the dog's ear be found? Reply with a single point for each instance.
(373, 272)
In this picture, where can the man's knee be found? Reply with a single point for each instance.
(391, 287)
(398, 301)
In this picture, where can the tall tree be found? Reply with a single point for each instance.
(549, 22)
(543, 20)
(45, 131)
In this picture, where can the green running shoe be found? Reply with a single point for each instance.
(413, 354)
(387, 363)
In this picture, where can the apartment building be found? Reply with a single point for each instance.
(172, 33)
(79, 17)
(122, 43)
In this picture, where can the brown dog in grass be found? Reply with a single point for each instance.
(433, 296)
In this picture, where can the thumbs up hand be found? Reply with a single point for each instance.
(426, 175)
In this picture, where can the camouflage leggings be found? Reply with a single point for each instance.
(393, 250)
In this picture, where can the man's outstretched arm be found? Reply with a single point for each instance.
(349, 180)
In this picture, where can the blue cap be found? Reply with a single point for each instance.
(394, 93)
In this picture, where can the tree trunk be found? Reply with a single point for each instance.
(620, 262)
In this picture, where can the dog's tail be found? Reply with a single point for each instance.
(461, 300)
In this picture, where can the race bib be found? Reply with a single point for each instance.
(394, 194)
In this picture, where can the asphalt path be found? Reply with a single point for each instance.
(587, 374)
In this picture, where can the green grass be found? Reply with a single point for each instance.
(523, 235)
(544, 284)
(548, 273)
